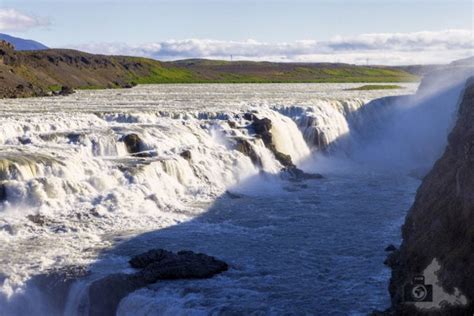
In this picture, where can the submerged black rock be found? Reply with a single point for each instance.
(390, 248)
(296, 174)
(158, 264)
(233, 195)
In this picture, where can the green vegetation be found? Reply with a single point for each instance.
(33, 73)
(156, 73)
(376, 87)
(208, 71)
(92, 87)
(55, 87)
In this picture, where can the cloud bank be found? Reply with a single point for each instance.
(381, 48)
(12, 20)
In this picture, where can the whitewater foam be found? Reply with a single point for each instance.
(63, 161)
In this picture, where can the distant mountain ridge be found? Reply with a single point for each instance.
(22, 44)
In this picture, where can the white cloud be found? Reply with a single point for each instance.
(383, 48)
(13, 20)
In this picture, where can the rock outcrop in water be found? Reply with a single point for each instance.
(263, 130)
(243, 145)
(439, 230)
(135, 145)
(105, 294)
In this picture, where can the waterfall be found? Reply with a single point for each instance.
(79, 176)
(326, 122)
(406, 132)
(75, 175)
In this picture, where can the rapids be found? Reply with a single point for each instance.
(72, 193)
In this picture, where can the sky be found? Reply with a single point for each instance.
(391, 32)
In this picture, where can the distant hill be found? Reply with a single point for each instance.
(422, 70)
(269, 72)
(22, 44)
(464, 62)
(36, 73)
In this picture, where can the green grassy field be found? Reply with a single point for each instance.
(36, 73)
(210, 71)
(376, 87)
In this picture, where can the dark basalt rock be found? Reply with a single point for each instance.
(24, 140)
(65, 90)
(74, 138)
(392, 260)
(183, 265)
(233, 195)
(284, 159)
(249, 116)
(158, 264)
(232, 124)
(244, 146)
(135, 145)
(186, 154)
(390, 248)
(143, 260)
(262, 128)
(38, 219)
(296, 174)
(128, 85)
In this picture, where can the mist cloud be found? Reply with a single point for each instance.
(382, 48)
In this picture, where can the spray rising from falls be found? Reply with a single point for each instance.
(70, 180)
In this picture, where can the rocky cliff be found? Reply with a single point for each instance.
(433, 271)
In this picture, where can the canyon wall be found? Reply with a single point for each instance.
(438, 234)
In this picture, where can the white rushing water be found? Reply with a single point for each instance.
(69, 187)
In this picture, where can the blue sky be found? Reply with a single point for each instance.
(200, 26)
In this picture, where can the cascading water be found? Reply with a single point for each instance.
(73, 182)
